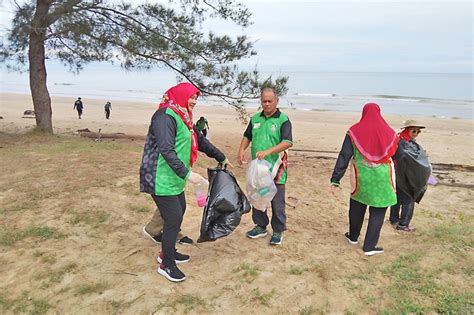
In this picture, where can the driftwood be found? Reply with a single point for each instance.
(117, 135)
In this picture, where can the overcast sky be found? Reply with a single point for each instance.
(356, 35)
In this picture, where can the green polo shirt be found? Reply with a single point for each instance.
(267, 132)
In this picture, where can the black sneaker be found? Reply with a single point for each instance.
(178, 258)
(349, 240)
(185, 241)
(156, 238)
(171, 273)
(375, 251)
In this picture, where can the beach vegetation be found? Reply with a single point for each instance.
(137, 36)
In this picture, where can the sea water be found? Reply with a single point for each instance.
(447, 95)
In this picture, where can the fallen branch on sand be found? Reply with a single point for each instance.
(117, 135)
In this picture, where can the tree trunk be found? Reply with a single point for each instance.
(36, 56)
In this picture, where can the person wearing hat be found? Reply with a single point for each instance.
(401, 219)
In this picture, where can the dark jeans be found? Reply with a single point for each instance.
(107, 114)
(79, 112)
(172, 210)
(404, 217)
(356, 219)
(204, 132)
(278, 212)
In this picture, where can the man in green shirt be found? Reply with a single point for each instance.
(202, 125)
(270, 133)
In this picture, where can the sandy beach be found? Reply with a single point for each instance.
(314, 268)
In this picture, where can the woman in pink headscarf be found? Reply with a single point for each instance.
(369, 146)
(170, 151)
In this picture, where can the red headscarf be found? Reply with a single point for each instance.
(176, 98)
(405, 134)
(373, 137)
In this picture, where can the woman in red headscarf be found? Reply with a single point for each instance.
(170, 151)
(369, 146)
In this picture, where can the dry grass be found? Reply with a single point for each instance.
(70, 220)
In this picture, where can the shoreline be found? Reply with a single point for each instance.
(286, 104)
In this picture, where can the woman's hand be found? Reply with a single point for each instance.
(334, 189)
(226, 162)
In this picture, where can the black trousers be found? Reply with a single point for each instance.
(107, 113)
(278, 212)
(172, 210)
(356, 219)
(404, 217)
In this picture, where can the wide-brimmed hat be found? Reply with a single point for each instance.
(412, 123)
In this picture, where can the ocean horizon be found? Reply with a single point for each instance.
(448, 95)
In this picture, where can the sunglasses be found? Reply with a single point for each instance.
(416, 131)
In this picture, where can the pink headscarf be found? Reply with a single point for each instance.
(176, 99)
(373, 137)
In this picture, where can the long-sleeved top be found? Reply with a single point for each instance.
(372, 184)
(166, 157)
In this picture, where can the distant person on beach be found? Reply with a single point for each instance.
(401, 220)
(107, 108)
(368, 146)
(79, 107)
(270, 133)
(202, 125)
(170, 151)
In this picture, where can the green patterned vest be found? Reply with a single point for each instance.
(372, 184)
(167, 183)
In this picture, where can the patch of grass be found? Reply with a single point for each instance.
(416, 290)
(139, 209)
(91, 288)
(307, 310)
(9, 237)
(45, 258)
(449, 303)
(262, 298)
(459, 236)
(297, 271)
(44, 233)
(246, 272)
(25, 304)
(187, 301)
(93, 219)
(55, 277)
(39, 307)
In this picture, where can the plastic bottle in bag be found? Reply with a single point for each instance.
(201, 195)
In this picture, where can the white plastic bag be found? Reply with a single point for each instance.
(260, 185)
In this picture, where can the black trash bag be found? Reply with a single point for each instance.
(413, 170)
(226, 203)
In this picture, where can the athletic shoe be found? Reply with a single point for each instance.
(257, 232)
(156, 238)
(171, 273)
(185, 241)
(349, 240)
(375, 251)
(405, 228)
(276, 238)
(178, 258)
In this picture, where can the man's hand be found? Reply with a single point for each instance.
(241, 157)
(195, 178)
(262, 154)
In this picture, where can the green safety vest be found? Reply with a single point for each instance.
(266, 134)
(373, 184)
(167, 183)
